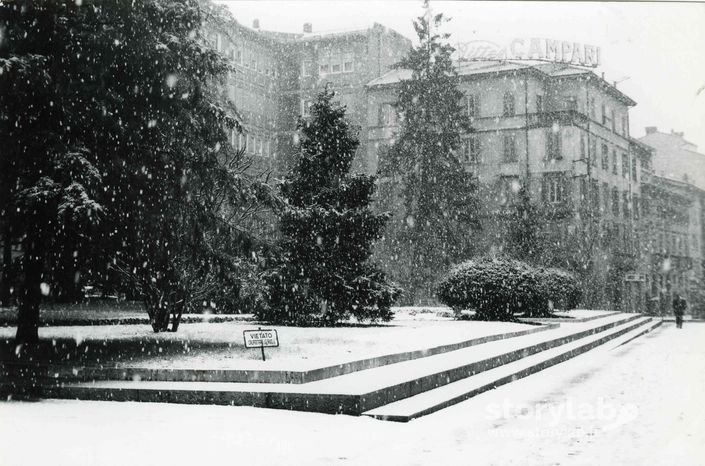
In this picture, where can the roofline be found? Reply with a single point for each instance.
(532, 69)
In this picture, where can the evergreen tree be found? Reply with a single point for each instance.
(117, 153)
(328, 230)
(525, 230)
(422, 170)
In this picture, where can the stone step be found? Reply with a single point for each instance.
(348, 394)
(95, 373)
(434, 400)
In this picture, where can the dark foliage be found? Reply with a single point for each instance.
(498, 288)
(422, 170)
(120, 167)
(327, 231)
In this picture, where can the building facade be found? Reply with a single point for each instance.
(674, 225)
(560, 131)
(563, 133)
(277, 76)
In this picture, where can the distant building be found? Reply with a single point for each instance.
(674, 223)
(278, 75)
(677, 158)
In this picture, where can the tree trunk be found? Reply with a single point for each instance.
(30, 294)
(7, 264)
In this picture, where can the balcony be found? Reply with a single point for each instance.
(562, 117)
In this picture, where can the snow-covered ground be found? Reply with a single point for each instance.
(220, 346)
(640, 404)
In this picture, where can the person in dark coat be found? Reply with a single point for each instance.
(679, 306)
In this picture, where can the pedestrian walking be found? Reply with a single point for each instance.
(679, 306)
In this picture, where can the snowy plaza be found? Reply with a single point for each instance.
(655, 383)
(297, 232)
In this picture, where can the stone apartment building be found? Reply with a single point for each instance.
(674, 221)
(278, 75)
(561, 131)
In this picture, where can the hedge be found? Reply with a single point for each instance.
(498, 288)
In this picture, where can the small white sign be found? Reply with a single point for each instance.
(261, 338)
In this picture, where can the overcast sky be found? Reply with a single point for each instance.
(656, 50)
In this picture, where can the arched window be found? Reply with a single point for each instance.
(508, 104)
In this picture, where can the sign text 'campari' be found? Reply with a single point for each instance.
(559, 51)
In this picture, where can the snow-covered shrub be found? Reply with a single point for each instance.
(554, 289)
(494, 288)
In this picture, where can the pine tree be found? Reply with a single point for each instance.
(118, 155)
(525, 235)
(328, 229)
(435, 226)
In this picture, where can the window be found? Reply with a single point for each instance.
(510, 149)
(553, 145)
(625, 165)
(605, 197)
(238, 56)
(625, 127)
(323, 68)
(553, 188)
(571, 103)
(472, 149)
(613, 121)
(605, 158)
(605, 118)
(635, 169)
(335, 68)
(348, 66)
(305, 107)
(539, 104)
(509, 187)
(387, 115)
(583, 154)
(615, 202)
(625, 204)
(473, 105)
(635, 206)
(593, 152)
(592, 107)
(594, 194)
(508, 104)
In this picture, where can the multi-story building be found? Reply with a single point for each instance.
(674, 226)
(277, 76)
(676, 158)
(559, 130)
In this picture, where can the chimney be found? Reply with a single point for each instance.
(308, 28)
(255, 24)
(651, 129)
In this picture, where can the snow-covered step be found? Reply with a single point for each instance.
(447, 395)
(347, 394)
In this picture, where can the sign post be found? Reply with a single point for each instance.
(260, 339)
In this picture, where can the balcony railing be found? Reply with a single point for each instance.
(562, 117)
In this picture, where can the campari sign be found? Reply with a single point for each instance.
(558, 51)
